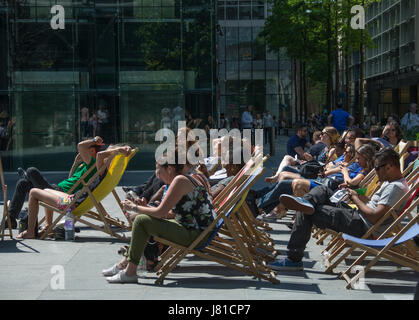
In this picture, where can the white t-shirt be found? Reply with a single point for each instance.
(388, 194)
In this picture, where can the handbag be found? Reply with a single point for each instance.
(311, 169)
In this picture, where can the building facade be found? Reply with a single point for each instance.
(121, 69)
(392, 64)
(248, 73)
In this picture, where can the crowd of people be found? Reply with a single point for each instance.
(176, 201)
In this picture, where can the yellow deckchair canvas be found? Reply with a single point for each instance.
(113, 175)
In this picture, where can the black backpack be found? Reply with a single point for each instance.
(311, 169)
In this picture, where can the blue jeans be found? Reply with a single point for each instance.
(268, 197)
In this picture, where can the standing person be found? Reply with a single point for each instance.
(258, 122)
(276, 126)
(247, 118)
(373, 119)
(102, 120)
(410, 123)
(340, 119)
(84, 122)
(267, 126)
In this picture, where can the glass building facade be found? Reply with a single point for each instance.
(121, 69)
(248, 73)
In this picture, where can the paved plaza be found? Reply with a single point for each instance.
(36, 263)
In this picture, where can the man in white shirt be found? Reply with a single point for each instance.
(410, 122)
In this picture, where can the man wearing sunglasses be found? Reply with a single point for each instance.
(316, 208)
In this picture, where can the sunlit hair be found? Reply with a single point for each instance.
(368, 152)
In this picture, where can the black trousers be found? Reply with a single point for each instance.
(23, 186)
(340, 218)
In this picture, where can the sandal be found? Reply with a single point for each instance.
(23, 235)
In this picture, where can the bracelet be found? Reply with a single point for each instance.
(135, 208)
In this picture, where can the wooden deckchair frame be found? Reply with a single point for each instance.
(6, 214)
(340, 244)
(231, 252)
(239, 179)
(101, 215)
(387, 252)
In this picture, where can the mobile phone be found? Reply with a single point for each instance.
(339, 195)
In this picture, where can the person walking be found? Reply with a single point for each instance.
(267, 126)
(339, 118)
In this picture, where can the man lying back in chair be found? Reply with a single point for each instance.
(32, 177)
(316, 208)
(58, 198)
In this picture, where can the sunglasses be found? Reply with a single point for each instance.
(325, 133)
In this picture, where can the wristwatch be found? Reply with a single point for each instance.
(94, 139)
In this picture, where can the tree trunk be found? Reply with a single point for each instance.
(329, 69)
(295, 90)
(347, 80)
(305, 89)
(337, 65)
(361, 75)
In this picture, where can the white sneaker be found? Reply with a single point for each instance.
(121, 277)
(111, 271)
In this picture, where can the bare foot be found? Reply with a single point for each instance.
(25, 235)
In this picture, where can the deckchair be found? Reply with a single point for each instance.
(385, 247)
(116, 168)
(408, 198)
(253, 234)
(336, 245)
(231, 252)
(372, 184)
(6, 215)
(402, 147)
(221, 198)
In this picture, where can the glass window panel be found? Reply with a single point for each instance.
(232, 43)
(231, 12)
(245, 40)
(45, 129)
(245, 12)
(258, 12)
(232, 68)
